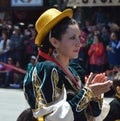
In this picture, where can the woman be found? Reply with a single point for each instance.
(53, 88)
(113, 50)
(5, 46)
(97, 55)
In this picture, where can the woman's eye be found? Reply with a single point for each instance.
(72, 38)
(80, 37)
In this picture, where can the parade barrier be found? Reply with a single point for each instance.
(107, 72)
(13, 67)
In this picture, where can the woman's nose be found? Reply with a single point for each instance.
(78, 40)
(78, 43)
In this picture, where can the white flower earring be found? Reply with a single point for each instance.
(55, 53)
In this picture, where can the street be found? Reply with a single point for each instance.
(12, 103)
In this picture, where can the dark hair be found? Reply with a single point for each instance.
(26, 115)
(117, 34)
(7, 35)
(57, 31)
(61, 27)
(116, 81)
(98, 36)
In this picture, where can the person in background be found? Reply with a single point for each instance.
(113, 50)
(2, 75)
(82, 57)
(17, 78)
(9, 73)
(97, 55)
(53, 88)
(31, 63)
(5, 46)
(17, 45)
(114, 113)
(105, 35)
(27, 35)
(29, 43)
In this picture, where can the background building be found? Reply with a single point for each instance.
(29, 10)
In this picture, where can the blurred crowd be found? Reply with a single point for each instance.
(99, 52)
(100, 48)
(17, 48)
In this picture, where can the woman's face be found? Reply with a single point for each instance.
(96, 40)
(4, 36)
(113, 36)
(69, 45)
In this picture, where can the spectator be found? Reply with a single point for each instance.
(2, 75)
(113, 51)
(5, 46)
(97, 55)
(29, 44)
(17, 45)
(9, 73)
(105, 35)
(17, 78)
(82, 57)
(31, 63)
(114, 113)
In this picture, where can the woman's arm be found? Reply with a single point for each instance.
(44, 96)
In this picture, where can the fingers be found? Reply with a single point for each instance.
(99, 88)
(105, 87)
(89, 79)
(108, 83)
(99, 78)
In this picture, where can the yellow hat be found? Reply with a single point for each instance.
(48, 20)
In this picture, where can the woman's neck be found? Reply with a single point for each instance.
(64, 62)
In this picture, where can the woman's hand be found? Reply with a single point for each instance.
(108, 48)
(98, 83)
(100, 88)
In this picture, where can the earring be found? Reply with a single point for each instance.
(55, 53)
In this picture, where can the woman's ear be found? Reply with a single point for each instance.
(54, 42)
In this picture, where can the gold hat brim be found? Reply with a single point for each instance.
(45, 30)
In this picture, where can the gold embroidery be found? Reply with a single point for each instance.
(40, 118)
(55, 81)
(117, 95)
(57, 91)
(85, 101)
(39, 97)
(55, 78)
(72, 84)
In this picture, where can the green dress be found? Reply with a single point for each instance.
(52, 94)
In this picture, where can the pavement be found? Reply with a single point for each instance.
(12, 103)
